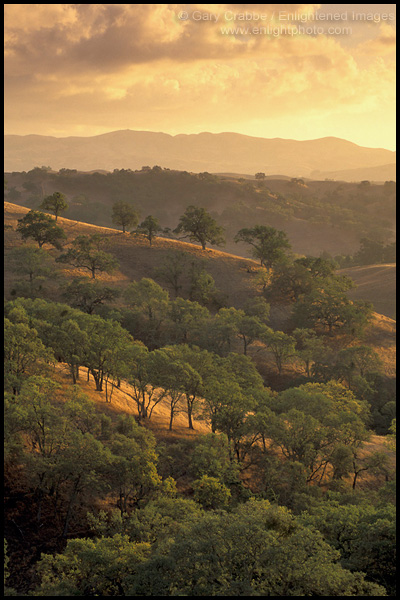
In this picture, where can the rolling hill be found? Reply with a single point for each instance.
(317, 216)
(220, 152)
(234, 276)
(377, 284)
(377, 174)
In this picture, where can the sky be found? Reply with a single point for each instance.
(295, 71)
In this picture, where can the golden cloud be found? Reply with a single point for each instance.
(108, 66)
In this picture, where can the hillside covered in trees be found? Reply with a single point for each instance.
(318, 216)
(184, 421)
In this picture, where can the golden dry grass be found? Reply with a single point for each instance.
(376, 284)
(122, 403)
(234, 275)
(381, 336)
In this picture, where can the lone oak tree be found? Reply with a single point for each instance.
(199, 226)
(87, 295)
(41, 228)
(56, 203)
(149, 228)
(86, 253)
(124, 214)
(269, 244)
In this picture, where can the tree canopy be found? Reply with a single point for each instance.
(41, 228)
(56, 203)
(149, 227)
(124, 214)
(87, 253)
(199, 226)
(269, 245)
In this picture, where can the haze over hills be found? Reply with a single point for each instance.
(376, 174)
(221, 152)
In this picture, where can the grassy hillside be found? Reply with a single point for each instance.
(158, 424)
(317, 216)
(381, 173)
(377, 284)
(234, 275)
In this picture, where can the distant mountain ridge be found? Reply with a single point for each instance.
(212, 152)
(378, 174)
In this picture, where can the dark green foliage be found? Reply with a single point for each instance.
(293, 280)
(87, 253)
(289, 447)
(133, 468)
(173, 270)
(281, 345)
(202, 285)
(256, 550)
(310, 423)
(149, 228)
(87, 295)
(107, 566)
(41, 228)
(187, 320)
(199, 226)
(269, 245)
(211, 457)
(210, 492)
(35, 265)
(309, 348)
(24, 352)
(364, 535)
(373, 252)
(125, 215)
(55, 203)
(328, 306)
(148, 304)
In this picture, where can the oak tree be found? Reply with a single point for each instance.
(199, 226)
(56, 203)
(41, 228)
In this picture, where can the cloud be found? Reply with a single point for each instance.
(107, 37)
(106, 66)
(384, 43)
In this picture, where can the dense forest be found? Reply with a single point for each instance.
(254, 459)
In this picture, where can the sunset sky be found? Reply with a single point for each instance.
(86, 69)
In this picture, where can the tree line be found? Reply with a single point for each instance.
(365, 210)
